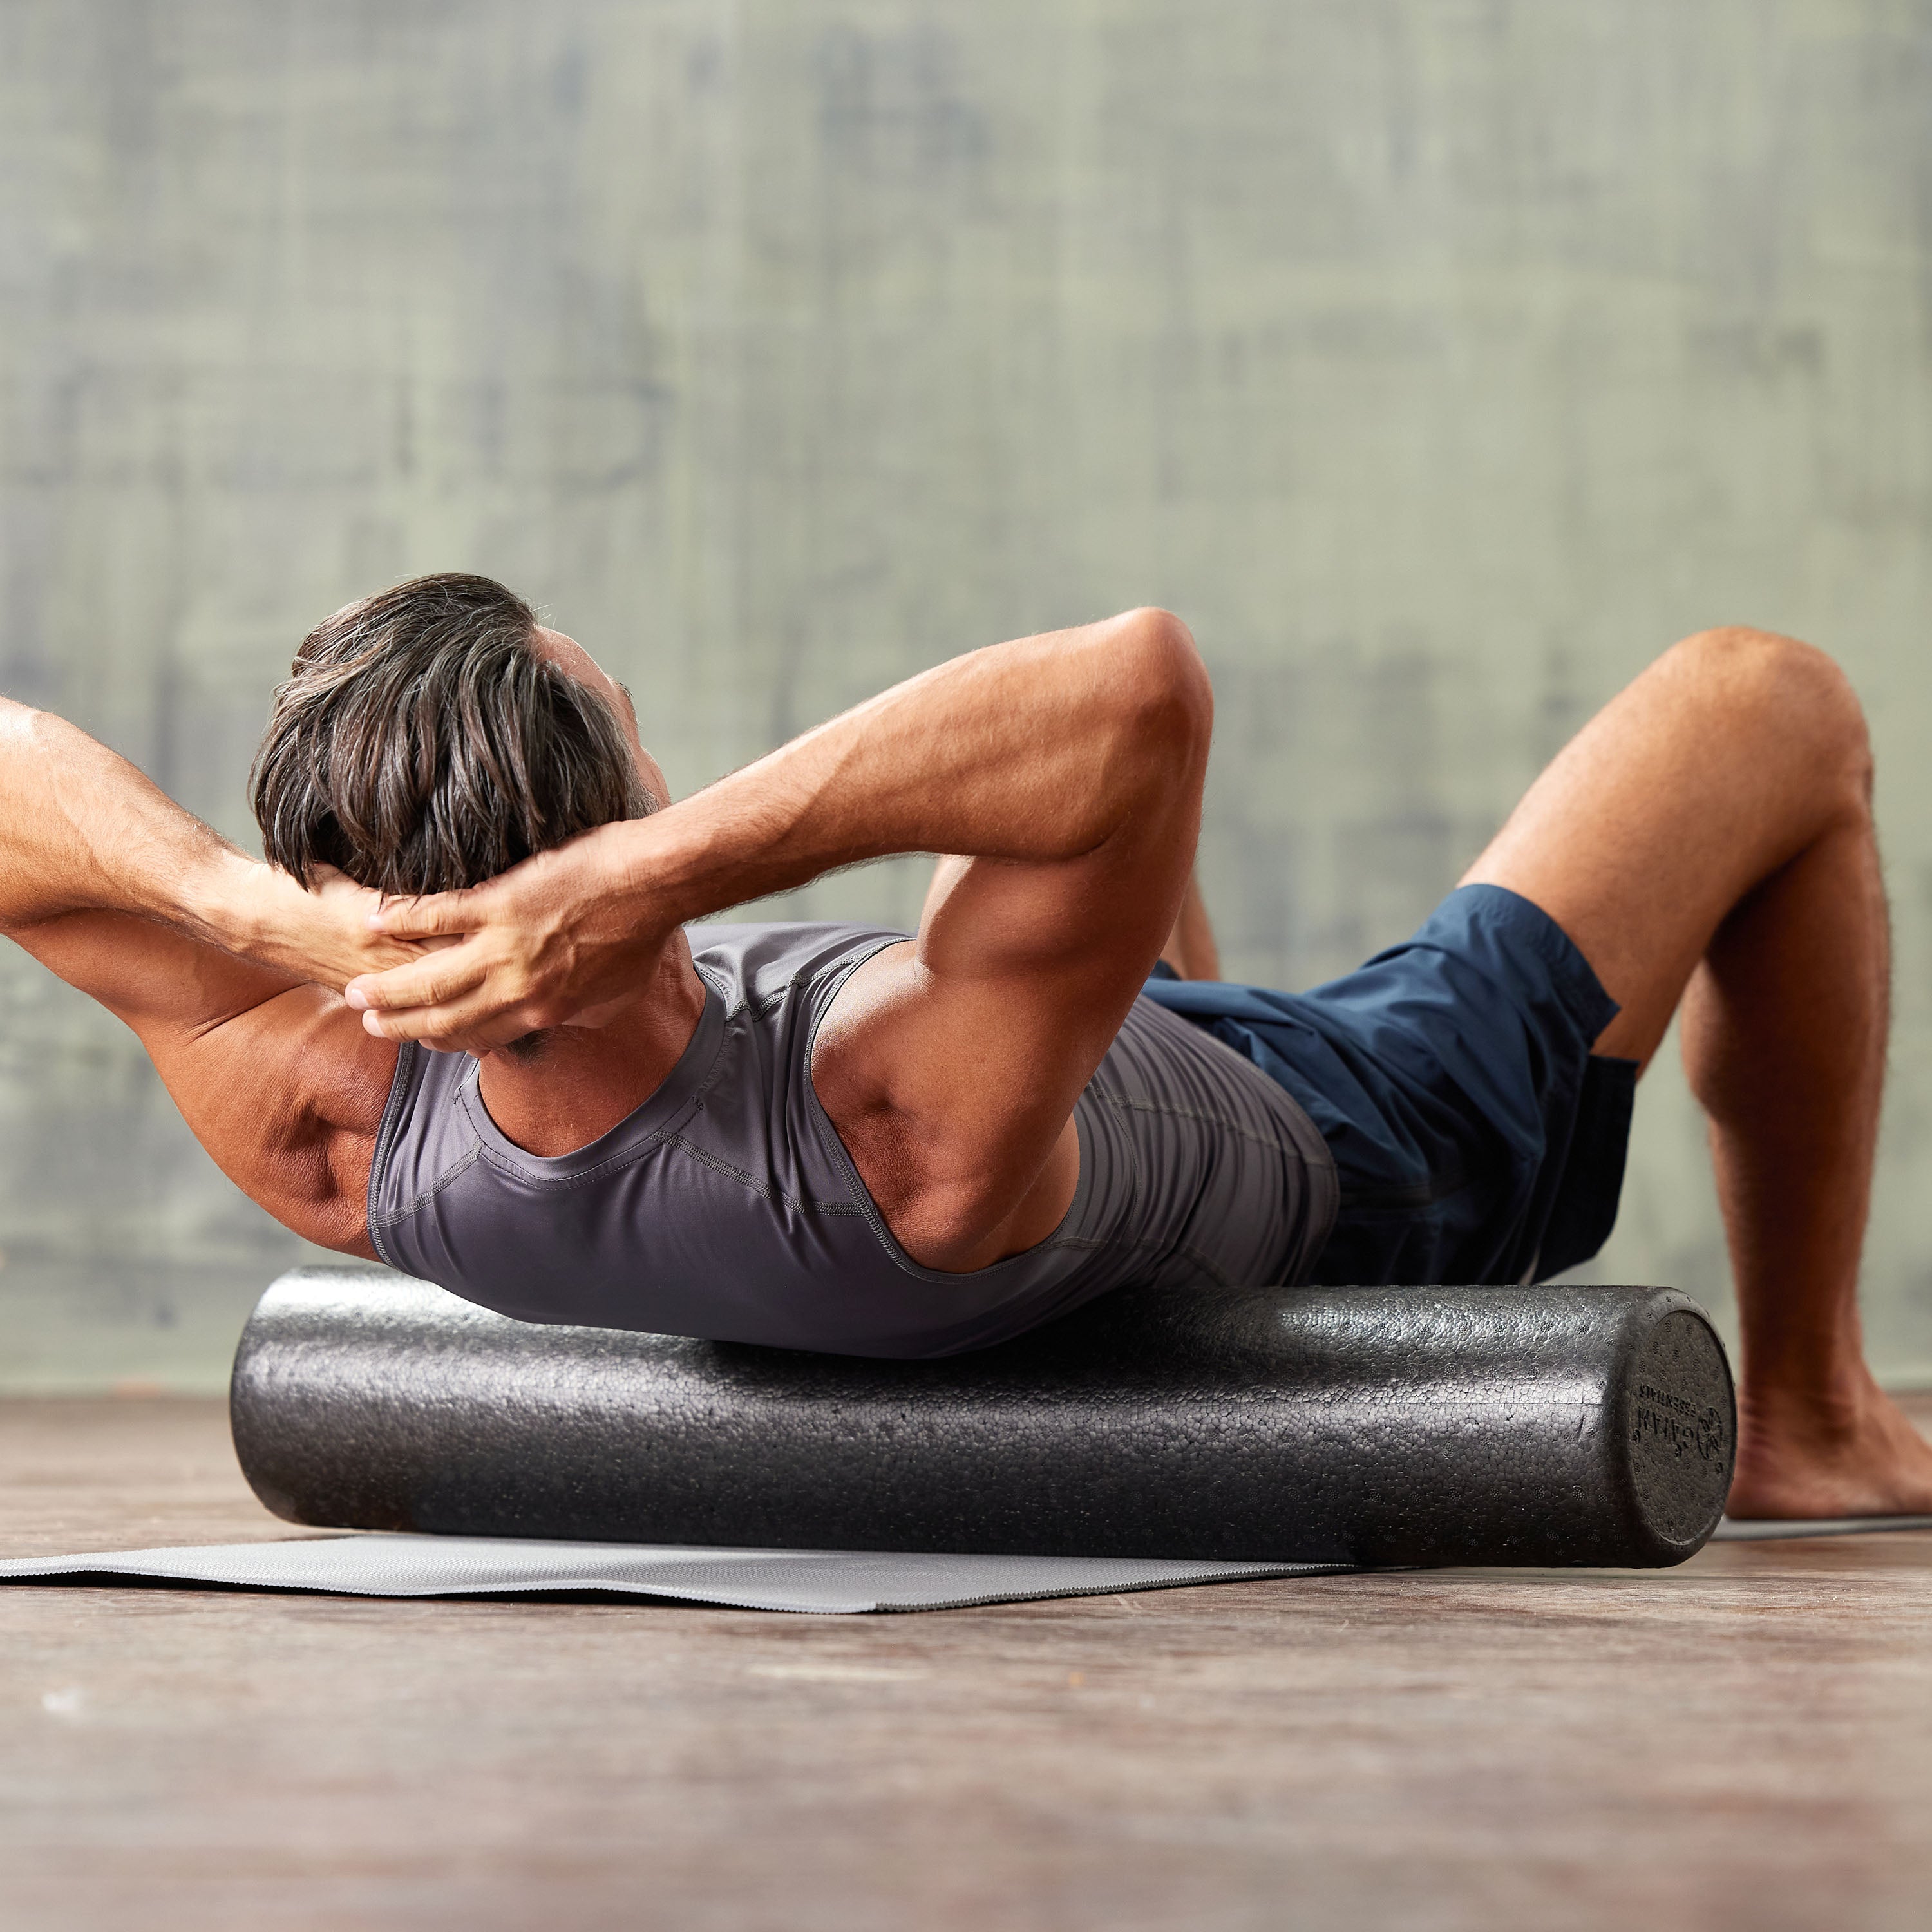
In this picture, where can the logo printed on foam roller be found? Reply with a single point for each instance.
(1655, 1412)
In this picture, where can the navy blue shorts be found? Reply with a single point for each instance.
(1476, 1137)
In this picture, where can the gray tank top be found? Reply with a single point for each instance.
(726, 1206)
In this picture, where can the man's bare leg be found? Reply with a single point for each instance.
(1708, 837)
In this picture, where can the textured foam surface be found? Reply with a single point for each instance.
(1372, 1427)
(822, 1581)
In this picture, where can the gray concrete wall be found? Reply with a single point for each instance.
(1439, 362)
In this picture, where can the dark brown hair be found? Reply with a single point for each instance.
(423, 742)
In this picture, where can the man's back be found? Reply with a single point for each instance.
(727, 1205)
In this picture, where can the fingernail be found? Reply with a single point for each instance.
(356, 999)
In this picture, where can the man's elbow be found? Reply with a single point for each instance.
(1169, 700)
(19, 724)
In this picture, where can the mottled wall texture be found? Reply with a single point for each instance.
(1440, 361)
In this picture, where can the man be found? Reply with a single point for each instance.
(834, 1137)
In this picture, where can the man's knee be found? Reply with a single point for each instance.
(1790, 697)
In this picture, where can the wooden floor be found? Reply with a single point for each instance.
(1746, 1742)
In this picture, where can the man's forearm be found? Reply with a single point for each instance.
(81, 829)
(1034, 752)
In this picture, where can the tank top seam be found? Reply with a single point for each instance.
(670, 1134)
(395, 1217)
(715, 1070)
(665, 1137)
(386, 1130)
(506, 1163)
(803, 1205)
(558, 1184)
(756, 1005)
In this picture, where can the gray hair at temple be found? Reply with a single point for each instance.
(423, 742)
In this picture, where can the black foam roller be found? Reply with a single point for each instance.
(1376, 1427)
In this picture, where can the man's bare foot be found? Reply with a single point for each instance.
(1853, 1455)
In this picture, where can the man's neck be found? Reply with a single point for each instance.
(586, 1079)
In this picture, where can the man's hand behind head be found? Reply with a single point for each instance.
(561, 939)
(324, 935)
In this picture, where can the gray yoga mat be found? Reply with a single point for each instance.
(1773, 1529)
(824, 1581)
(808, 1581)
(821, 1582)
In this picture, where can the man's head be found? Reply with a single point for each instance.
(432, 735)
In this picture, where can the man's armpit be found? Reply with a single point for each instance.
(278, 1081)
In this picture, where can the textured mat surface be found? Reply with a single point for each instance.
(1773, 1529)
(825, 1582)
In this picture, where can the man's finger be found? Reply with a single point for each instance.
(433, 980)
(425, 1026)
(429, 916)
(469, 1027)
